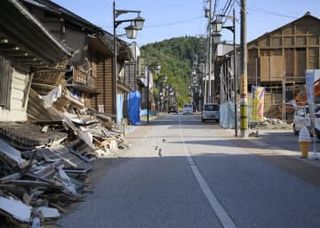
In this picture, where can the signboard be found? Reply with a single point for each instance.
(257, 103)
(310, 76)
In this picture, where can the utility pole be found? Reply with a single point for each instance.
(209, 51)
(235, 75)
(115, 63)
(148, 91)
(243, 71)
(205, 80)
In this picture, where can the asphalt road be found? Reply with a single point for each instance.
(284, 139)
(180, 172)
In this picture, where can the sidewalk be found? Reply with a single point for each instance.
(265, 148)
(143, 122)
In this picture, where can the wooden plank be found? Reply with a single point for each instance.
(5, 83)
(276, 68)
(265, 68)
(103, 84)
(289, 62)
(17, 94)
(300, 64)
(16, 104)
(313, 58)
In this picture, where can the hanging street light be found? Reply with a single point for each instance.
(217, 26)
(131, 33)
(155, 68)
(138, 22)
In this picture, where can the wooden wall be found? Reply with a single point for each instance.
(286, 53)
(103, 84)
(19, 92)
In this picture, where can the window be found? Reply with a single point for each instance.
(212, 107)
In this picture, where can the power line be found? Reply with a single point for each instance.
(228, 4)
(266, 11)
(216, 2)
(241, 8)
(174, 23)
(228, 13)
(165, 25)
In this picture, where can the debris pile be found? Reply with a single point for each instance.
(35, 187)
(43, 166)
(270, 124)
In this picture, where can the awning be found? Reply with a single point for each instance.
(99, 46)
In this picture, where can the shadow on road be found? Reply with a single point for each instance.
(237, 180)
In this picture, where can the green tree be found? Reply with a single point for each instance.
(176, 57)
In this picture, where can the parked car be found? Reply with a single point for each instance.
(302, 118)
(187, 109)
(173, 109)
(210, 111)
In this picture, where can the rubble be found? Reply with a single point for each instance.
(15, 208)
(270, 124)
(43, 165)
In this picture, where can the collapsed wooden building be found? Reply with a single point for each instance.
(56, 104)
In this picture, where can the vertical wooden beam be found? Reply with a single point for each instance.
(307, 49)
(294, 53)
(319, 51)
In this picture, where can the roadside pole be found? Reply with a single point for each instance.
(210, 53)
(243, 72)
(310, 78)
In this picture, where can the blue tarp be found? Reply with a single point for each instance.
(134, 101)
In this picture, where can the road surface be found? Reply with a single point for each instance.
(180, 172)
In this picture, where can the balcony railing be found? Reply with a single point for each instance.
(82, 77)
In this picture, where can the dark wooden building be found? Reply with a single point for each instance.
(279, 59)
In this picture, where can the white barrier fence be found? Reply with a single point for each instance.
(227, 115)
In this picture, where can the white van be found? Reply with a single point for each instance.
(210, 111)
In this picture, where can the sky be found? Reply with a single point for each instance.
(165, 19)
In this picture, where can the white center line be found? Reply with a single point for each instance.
(221, 213)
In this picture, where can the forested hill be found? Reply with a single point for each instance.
(176, 56)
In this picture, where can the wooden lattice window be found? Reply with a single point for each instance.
(6, 72)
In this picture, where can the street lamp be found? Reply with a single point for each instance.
(131, 33)
(138, 22)
(216, 38)
(163, 92)
(156, 68)
(217, 27)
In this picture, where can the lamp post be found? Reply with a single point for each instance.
(217, 27)
(163, 88)
(131, 32)
(157, 69)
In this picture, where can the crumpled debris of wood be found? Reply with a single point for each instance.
(44, 165)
